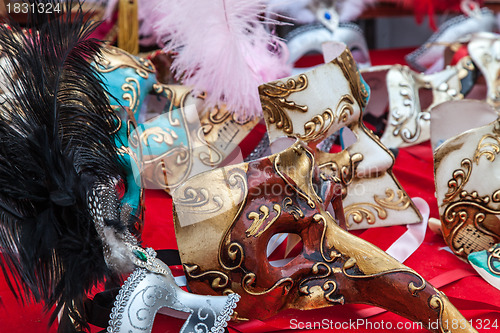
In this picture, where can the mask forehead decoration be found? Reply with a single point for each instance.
(467, 183)
(330, 99)
(307, 39)
(237, 210)
(400, 89)
(167, 134)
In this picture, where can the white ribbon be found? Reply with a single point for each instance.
(411, 240)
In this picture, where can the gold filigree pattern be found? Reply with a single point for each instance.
(402, 117)
(295, 211)
(393, 200)
(333, 255)
(219, 280)
(436, 303)
(361, 211)
(213, 157)
(329, 287)
(132, 91)
(113, 58)
(274, 103)
(249, 280)
(344, 168)
(464, 217)
(227, 248)
(200, 197)
(398, 200)
(259, 218)
(159, 135)
(317, 127)
(488, 146)
(458, 181)
(177, 101)
(412, 287)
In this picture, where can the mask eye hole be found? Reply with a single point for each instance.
(338, 141)
(425, 98)
(282, 248)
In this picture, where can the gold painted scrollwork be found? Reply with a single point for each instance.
(459, 179)
(228, 249)
(329, 287)
(333, 254)
(412, 287)
(175, 100)
(317, 127)
(259, 218)
(200, 199)
(361, 211)
(401, 119)
(436, 303)
(249, 280)
(114, 58)
(398, 200)
(343, 166)
(274, 103)
(132, 91)
(211, 158)
(159, 135)
(219, 279)
(464, 217)
(488, 146)
(295, 211)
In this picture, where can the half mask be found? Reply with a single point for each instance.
(166, 133)
(484, 49)
(225, 218)
(467, 181)
(327, 100)
(410, 97)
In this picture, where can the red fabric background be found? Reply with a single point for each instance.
(477, 300)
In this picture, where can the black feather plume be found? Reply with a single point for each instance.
(55, 145)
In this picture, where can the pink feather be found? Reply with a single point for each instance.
(223, 49)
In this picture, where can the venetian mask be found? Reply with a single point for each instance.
(327, 100)
(166, 133)
(467, 181)
(484, 49)
(225, 218)
(410, 97)
(429, 57)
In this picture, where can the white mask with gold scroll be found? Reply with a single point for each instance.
(410, 97)
(317, 104)
(466, 175)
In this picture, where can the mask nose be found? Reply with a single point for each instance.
(365, 274)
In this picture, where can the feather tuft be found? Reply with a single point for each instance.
(223, 49)
(55, 145)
